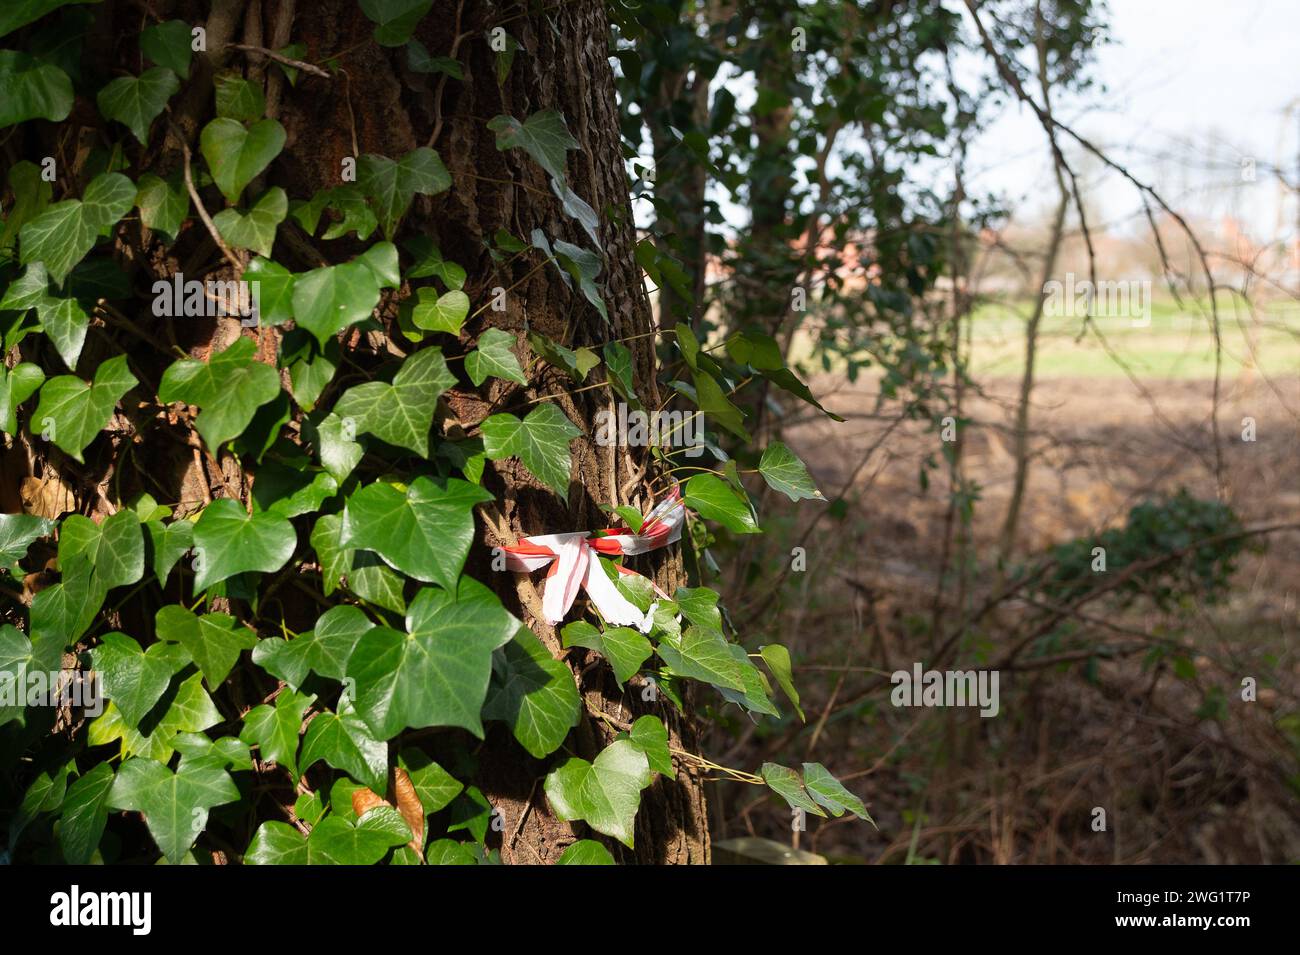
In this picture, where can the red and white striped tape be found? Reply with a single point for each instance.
(574, 563)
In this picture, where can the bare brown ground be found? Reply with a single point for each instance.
(1126, 735)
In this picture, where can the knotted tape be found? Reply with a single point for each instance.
(574, 563)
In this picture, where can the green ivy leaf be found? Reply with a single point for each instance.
(755, 695)
(785, 379)
(31, 194)
(756, 349)
(576, 363)
(381, 259)
(430, 263)
(264, 430)
(136, 679)
(391, 185)
(32, 89)
(17, 13)
(16, 386)
(187, 708)
(18, 655)
(355, 213)
(715, 404)
(168, 44)
(310, 376)
(784, 472)
(395, 20)
(98, 278)
(65, 324)
(169, 541)
(213, 640)
(333, 439)
(271, 286)
(28, 290)
(439, 313)
(714, 499)
(163, 203)
(585, 852)
(226, 752)
(361, 572)
(72, 411)
(623, 647)
(618, 363)
(533, 693)
(544, 136)
(292, 487)
(606, 793)
(505, 58)
(575, 207)
(44, 795)
(584, 265)
(274, 728)
(228, 388)
(62, 613)
(329, 299)
(345, 742)
(785, 782)
(239, 99)
(540, 441)
(494, 357)
(61, 236)
(830, 792)
(333, 841)
(115, 547)
(175, 805)
(135, 101)
(17, 532)
(400, 414)
(255, 229)
(631, 517)
(418, 60)
(228, 541)
(651, 737)
(777, 659)
(435, 787)
(435, 674)
(85, 814)
(703, 654)
(700, 606)
(236, 155)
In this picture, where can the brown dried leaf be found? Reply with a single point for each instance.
(364, 800)
(402, 792)
(408, 804)
(47, 496)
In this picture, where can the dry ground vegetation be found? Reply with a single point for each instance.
(1186, 771)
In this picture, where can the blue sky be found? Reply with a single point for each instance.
(1204, 82)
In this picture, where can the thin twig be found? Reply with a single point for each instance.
(281, 58)
(203, 212)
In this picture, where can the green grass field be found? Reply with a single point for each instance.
(1177, 343)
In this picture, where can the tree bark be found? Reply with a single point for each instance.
(372, 103)
(562, 64)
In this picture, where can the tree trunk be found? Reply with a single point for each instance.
(374, 104)
(562, 64)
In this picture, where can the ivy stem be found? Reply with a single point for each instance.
(199, 207)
